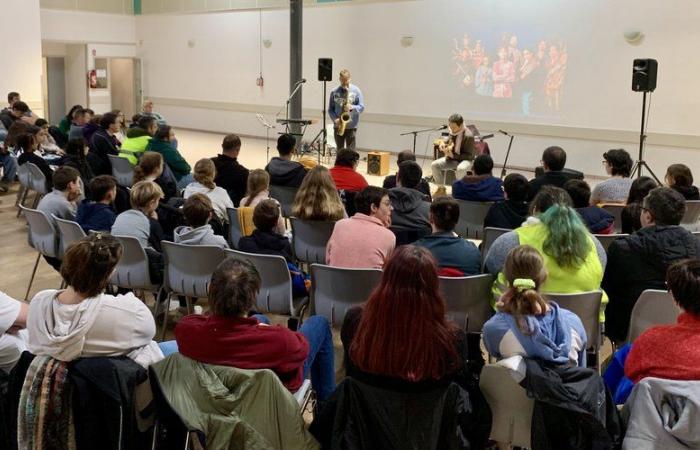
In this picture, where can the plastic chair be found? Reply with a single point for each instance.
(234, 230)
(405, 236)
(607, 239)
(37, 181)
(468, 300)
(68, 232)
(188, 270)
(309, 239)
(122, 170)
(471, 218)
(653, 307)
(615, 210)
(489, 237)
(42, 238)
(285, 195)
(691, 218)
(511, 408)
(132, 270)
(25, 185)
(334, 290)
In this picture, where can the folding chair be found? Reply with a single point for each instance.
(691, 218)
(234, 230)
(468, 300)
(132, 270)
(489, 237)
(653, 307)
(37, 181)
(471, 218)
(68, 232)
(615, 210)
(511, 408)
(607, 239)
(285, 195)
(42, 238)
(122, 170)
(309, 240)
(25, 185)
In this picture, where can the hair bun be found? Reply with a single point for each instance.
(524, 284)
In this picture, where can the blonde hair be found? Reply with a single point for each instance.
(205, 172)
(317, 197)
(523, 262)
(143, 193)
(148, 164)
(258, 181)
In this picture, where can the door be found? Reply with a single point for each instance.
(138, 86)
(56, 88)
(122, 85)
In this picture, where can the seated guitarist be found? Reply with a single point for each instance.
(459, 151)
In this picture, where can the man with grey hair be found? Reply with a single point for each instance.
(459, 151)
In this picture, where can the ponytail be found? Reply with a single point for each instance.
(568, 242)
(525, 272)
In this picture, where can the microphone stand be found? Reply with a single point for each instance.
(505, 162)
(268, 127)
(415, 135)
(291, 96)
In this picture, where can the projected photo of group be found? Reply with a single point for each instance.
(528, 80)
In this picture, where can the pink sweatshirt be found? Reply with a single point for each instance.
(360, 242)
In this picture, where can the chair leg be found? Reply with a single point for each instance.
(20, 193)
(165, 317)
(31, 280)
(22, 201)
(190, 309)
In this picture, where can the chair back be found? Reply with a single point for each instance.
(42, 234)
(691, 218)
(653, 307)
(122, 170)
(188, 268)
(234, 230)
(309, 239)
(586, 305)
(471, 218)
(468, 300)
(285, 195)
(607, 239)
(489, 237)
(37, 179)
(68, 232)
(24, 176)
(334, 290)
(511, 408)
(348, 199)
(275, 294)
(405, 236)
(132, 270)
(615, 210)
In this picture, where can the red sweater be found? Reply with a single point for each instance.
(667, 351)
(346, 178)
(245, 344)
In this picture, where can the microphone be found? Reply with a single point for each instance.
(443, 127)
(503, 132)
(488, 136)
(303, 80)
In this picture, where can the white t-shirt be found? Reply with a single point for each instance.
(11, 345)
(220, 199)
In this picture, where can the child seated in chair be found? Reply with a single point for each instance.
(96, 213)
(198, 212)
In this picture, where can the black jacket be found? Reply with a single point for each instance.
(266, 243)
(552, 178)
(82, 166)
(507, 214)
(639, 262)
(232, 176)
(410, 209)
(598, 220)
(101, 145)
(285, 173)
(423, 186)
(688, 192)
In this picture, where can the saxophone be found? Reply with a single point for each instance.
(345, 116)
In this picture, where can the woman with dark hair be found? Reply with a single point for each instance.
(680, 178)
(65, 123)
(344, 173)
(121, 122)
(630, 214)
(618, 164)
(150, 168)
(75, 157)
(26, 145)
(102, 144)
(162, 143)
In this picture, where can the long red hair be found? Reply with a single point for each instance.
(403, 331)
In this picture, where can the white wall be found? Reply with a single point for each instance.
(76, 75)
(83, 27)
(21, 56)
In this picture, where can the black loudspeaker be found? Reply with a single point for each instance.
(325, 69)
(644, 75)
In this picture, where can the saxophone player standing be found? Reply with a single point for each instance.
(344, 108)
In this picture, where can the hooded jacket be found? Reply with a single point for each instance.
(285, 173)
(688, 192)
(203, 235)
(598, 220)
(266, 243)
(639, 262)
(451, 251)
(509, 214)
(478, 188)
(94, 216)
(410, 208)
(171, 157)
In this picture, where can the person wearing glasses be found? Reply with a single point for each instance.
(617, 164)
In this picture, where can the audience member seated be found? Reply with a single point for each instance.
(198, 212)
(148, 112)
(141, 222)
(364, 240)
(454, 255)
(257, 191)
(103, 143)
(480, 187)
(65, 123)
(390, 180)
(680, 178)
(672, 352)
(47, 144)
(344, 173)
(97, 213)
(163, 143)
(410, 210)
(137, 139)
(633, 210)
(640, 261)
(513, 211)
(12, 114)
(91, 127)
(618, 164)
(13, 336)
(230, 174)
(150, 168)
(317, 198)
(75, 157)
(204, 175)
(80, 118)
(598, 220)
(82, 321)
(283, 171)
(26, 147)
(60, 202)
(228, 337)
(553, 162)
(121, 122)
(528, 325)
(573, 258)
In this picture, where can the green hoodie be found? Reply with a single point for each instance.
(171, 156)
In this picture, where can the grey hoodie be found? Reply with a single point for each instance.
(410, 208)
(203, 235)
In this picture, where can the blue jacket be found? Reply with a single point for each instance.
(478, 188)
(93, 216)
(337, 98)
(453, 251)
(598, 220)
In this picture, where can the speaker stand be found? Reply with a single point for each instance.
(323, 133)
(640, 163)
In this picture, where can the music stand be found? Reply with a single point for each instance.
(416, 132)
(268, 127)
